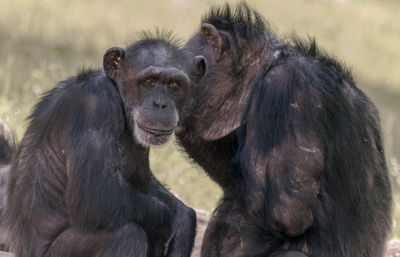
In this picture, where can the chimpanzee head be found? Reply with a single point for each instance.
(154, 78)
(234, 43)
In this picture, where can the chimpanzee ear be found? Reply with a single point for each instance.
(212, 36)
(200, 67)
(112, 61)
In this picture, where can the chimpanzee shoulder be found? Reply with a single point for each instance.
(84, 74)
(74, 98)
(308, 47)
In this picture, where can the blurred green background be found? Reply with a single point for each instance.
(45, 41)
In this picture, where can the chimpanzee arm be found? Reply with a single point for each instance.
(96, 194)
(183, 221)
(282, 153)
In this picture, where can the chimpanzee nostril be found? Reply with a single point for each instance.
(160, 104)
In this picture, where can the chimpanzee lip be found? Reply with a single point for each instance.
(156, 131)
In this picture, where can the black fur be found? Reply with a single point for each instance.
(80, 184)
(7, 148)
(294, 144)
(7, 143)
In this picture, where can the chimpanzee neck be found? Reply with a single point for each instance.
(215, 157)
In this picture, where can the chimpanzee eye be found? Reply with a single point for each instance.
(149, 81)
(174, 85)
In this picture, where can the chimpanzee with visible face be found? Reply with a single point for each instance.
(80, 184)
(294, 144)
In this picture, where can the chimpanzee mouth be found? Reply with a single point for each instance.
(156, 131)
(152, 135)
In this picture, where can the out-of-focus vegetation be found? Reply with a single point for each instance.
(45, 41)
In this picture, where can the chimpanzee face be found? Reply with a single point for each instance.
(154, 81)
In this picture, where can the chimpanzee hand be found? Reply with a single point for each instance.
(161, 247)
(180, 239)
(183, 233)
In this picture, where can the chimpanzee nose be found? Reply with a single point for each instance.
(160, 103)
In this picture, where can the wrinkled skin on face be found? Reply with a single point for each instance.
(154, 87)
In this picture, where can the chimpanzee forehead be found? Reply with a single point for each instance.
(157, 56)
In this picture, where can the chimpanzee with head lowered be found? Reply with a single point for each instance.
(80, 184)
(292, 141)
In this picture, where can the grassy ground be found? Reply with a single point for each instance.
(45, 41)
